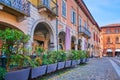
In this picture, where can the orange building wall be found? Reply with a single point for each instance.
(12, 20)
(112, 45)
(69, 5)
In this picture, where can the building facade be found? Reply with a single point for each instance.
(110, 42)
(76, 27)
(52, 24)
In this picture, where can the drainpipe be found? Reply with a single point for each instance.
(57, 32)
(57, 25)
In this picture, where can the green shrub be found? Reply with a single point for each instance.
(61, 56)
(80, 54)
(68, 55)
(84, 54)
(52, 57)
(75, 55)
(11, 39)
(45, 59)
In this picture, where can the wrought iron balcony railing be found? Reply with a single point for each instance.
(84, 31)
(19, 6)
(50, 5)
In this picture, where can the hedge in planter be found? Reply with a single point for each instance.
(12, 39)
(79, 56)
(41, 69)
(74, 57)
(52, 60)
(68, 59)
(61, 57)
(83, 57)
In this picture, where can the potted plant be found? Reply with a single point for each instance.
(74, 57)
(12, 38)
(79, 56)
(83, 57)
(61, 57)
(68, 59)
(52, 60)
(40, 69)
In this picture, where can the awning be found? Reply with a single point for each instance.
(109, 50)
(117, 50)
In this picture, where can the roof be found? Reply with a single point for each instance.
(111, 25)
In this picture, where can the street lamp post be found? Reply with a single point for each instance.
(3, 60)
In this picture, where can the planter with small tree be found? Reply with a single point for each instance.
(12, 49)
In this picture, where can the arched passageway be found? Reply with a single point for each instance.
(43, 37)
(73, 42)
(62, 40)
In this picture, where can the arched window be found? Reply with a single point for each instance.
(108, 40)
(117, 39)
(108, 31)
(117, 30)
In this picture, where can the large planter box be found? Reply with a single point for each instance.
(67, 64)
(78, 61)
(51, 68)
(74, 62)
(86, 59)
(39, 71)
(61, 65)
(18, 75)
(83, 60)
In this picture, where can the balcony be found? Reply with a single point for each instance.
(84, 31)
(48, 6)
(16, 7)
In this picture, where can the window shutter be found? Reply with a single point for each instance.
(72, 16)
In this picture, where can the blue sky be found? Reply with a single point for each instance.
(104, 11)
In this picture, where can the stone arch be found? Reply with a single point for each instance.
(4, 25)
(40, 21)
(11, 19)
(49, 31)
(62, 36)
(73, 42)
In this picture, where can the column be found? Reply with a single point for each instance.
(51, 46)
(76, 46)
(113, 53)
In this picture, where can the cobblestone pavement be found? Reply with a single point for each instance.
(95, 69)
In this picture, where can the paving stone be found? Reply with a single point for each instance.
(96, 69)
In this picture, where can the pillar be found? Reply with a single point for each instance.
(76, 46)
(113, 53)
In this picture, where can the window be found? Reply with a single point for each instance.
(46, 3)
(80, 21)
(108, 40)
(80, 24)
(63, 8)
(116, 30)
(108, 31)
(73, 16)
(117, 39)
(85, 25)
